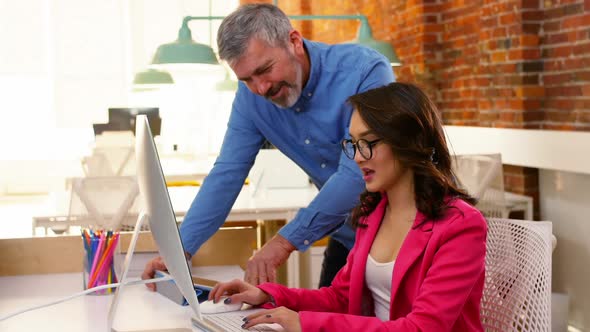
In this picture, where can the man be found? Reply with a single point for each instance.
(293, 93)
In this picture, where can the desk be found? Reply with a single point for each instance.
(139, 307)
(251, 204)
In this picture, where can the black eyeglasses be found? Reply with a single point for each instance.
(364, 147)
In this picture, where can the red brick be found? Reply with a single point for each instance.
(556, 38)
(559, 104)
(532, 115)
(584, 117)
(499, 56)
(529, 91)
(528, 40)
(575, 21)
(581, 75)
(508, 19)
(560, 116)
(532, 15)
(531, 4)
(557, 78)
(582, 49)
(551, 26)
(526, 54)
(558, 52)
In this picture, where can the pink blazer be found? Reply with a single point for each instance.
(437, 280)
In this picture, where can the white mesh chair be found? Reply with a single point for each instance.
(482, 177)
(517, 290)
(106, 202)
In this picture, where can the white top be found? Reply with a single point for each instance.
(378, 276)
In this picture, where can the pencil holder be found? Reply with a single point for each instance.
(99, 261)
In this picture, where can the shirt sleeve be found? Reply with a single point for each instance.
(330, 208)
(221, 187)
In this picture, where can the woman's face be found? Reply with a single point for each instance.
(383, 171)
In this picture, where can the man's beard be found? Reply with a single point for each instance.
(292, 94)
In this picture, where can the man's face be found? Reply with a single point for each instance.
(275, 73)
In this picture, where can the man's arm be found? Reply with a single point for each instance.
(222, 185)
(329, 209)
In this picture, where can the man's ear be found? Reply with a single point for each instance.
(296, 40)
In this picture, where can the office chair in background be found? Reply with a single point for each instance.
(483, 178)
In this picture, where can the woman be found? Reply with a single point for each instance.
(418, 259)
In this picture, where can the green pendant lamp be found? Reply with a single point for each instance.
(227, 84)
(185, 50)
(365, 37)
(152, 77)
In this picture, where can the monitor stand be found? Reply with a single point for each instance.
(143, 217)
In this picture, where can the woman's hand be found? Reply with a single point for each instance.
(239, 291)
(287, 318)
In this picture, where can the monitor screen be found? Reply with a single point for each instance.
(123, 118)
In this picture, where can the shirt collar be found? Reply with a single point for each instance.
(314, 72)
(314, 67)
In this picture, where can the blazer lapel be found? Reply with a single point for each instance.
(357, 277)
(412, 247)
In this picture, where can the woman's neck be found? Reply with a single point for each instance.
(401, 197)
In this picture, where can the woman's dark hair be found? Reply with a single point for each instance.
(408, 121)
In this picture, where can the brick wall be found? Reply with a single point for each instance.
(493, 63)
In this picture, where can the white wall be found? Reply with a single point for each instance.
(565, 200)
(63, 63)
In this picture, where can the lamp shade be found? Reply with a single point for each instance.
(227, 84)
(365, 37)
(185, 50)
(152, 76)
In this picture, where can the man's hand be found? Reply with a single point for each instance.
(150, 269)
(262, 267)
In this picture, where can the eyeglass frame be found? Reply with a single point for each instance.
(370, 145)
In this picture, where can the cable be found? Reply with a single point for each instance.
(88, 291)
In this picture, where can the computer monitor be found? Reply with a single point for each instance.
(160, 213)
(124, 118)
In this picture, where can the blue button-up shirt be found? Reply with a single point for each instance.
(309, 133)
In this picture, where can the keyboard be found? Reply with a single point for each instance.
(232, 321)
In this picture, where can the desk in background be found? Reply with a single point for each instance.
(263, 205)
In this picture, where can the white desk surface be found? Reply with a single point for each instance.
(252, 204)
(140, 309)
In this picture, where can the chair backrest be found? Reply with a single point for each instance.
(482, 176)
(104, 202)
(517, 290)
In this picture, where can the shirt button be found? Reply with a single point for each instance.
(307, 141)
(323, 165)
(298, 109)
(306, 242)
(309, 94)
